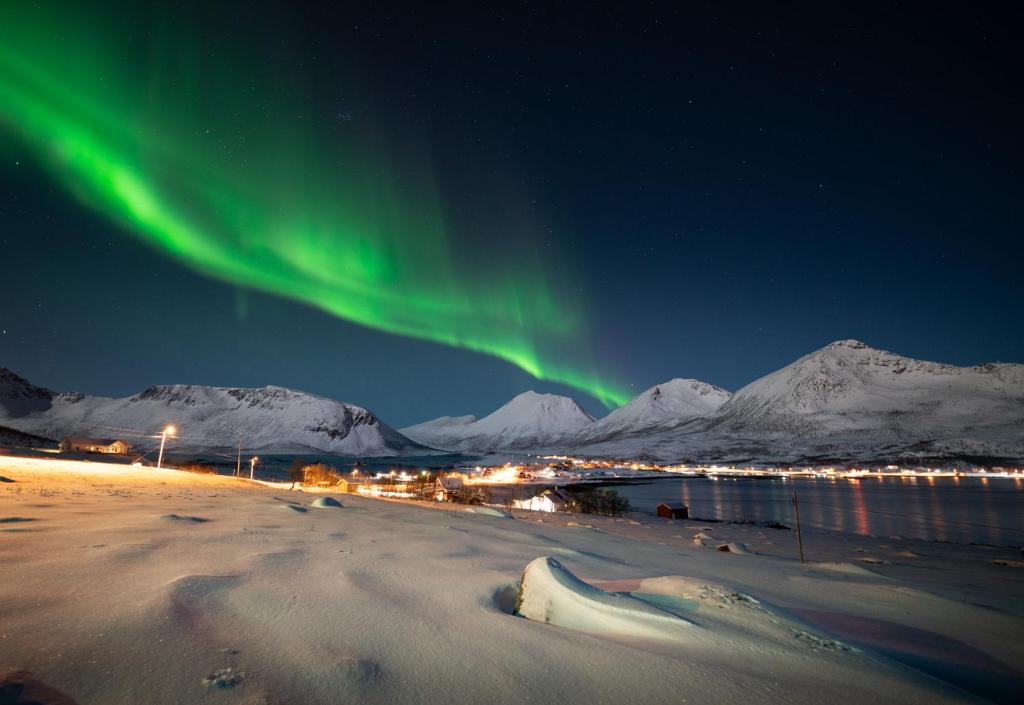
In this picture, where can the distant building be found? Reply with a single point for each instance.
(447, 489)
(549, 500)
(350, 484)
(679, 511)
(78, 444)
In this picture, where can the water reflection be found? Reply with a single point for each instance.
(960, 509)
(863, 523)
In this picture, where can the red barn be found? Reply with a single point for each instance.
(666, 511)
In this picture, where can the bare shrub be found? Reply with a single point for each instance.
(199, 468)
(320, 474)
(606, 502)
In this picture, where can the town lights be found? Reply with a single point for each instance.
(169, 430)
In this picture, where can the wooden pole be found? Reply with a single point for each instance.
(160, 458)
(799, 536)
(238, 462)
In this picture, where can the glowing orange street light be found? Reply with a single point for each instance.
(169, 430)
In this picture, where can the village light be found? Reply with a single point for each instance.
(169, 430)
(252, 467)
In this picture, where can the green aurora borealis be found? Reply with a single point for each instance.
(221, 163)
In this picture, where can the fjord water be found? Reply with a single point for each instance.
(957, 509)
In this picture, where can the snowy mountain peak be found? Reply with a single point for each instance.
(848, 344)
(848, 384)
(663, 406)
(564, 410)
(528, 421)
(270, 418)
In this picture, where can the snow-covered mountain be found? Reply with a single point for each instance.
(18, 396)
(661, 407)
(10, 438)
(530, 421)
(850, 401)
(443, 432)
(849, 386)
(269, 418)
(846, 401)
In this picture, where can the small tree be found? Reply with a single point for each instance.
(320, 474)
(606, 502)
(423, 485)
(296, 472)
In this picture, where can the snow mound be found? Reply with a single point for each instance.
(488, 512)
(735, 547)
(550, 593)
(322, 502)
(843, 567)
(185, 519)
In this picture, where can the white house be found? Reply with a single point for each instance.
(549, 500)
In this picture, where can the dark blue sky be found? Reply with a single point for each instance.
(734, 188)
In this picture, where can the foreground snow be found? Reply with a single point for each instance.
(134, 585)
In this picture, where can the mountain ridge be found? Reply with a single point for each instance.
(844, 400)
(269, 418)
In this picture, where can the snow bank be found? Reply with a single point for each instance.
(735, 547)
(322, 502)
(488, 512)
(551, 594)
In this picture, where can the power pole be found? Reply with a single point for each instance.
(169, 430)
(238, 462)
(799, 536)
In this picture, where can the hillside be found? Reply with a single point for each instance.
(268, 418)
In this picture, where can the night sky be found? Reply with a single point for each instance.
(403, 207)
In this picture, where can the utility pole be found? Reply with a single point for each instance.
(799, 536)
(168, 431)
(238, 462)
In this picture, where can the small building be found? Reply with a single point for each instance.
(447, 489)
(350, 484)
(548, 500)
(80, 444)
(668, 511)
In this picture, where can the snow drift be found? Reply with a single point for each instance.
(551, 594)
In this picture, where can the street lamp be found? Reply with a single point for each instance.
(169, 430)
(252, 467)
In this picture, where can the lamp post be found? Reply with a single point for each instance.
(169, 430)
(252, 467)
